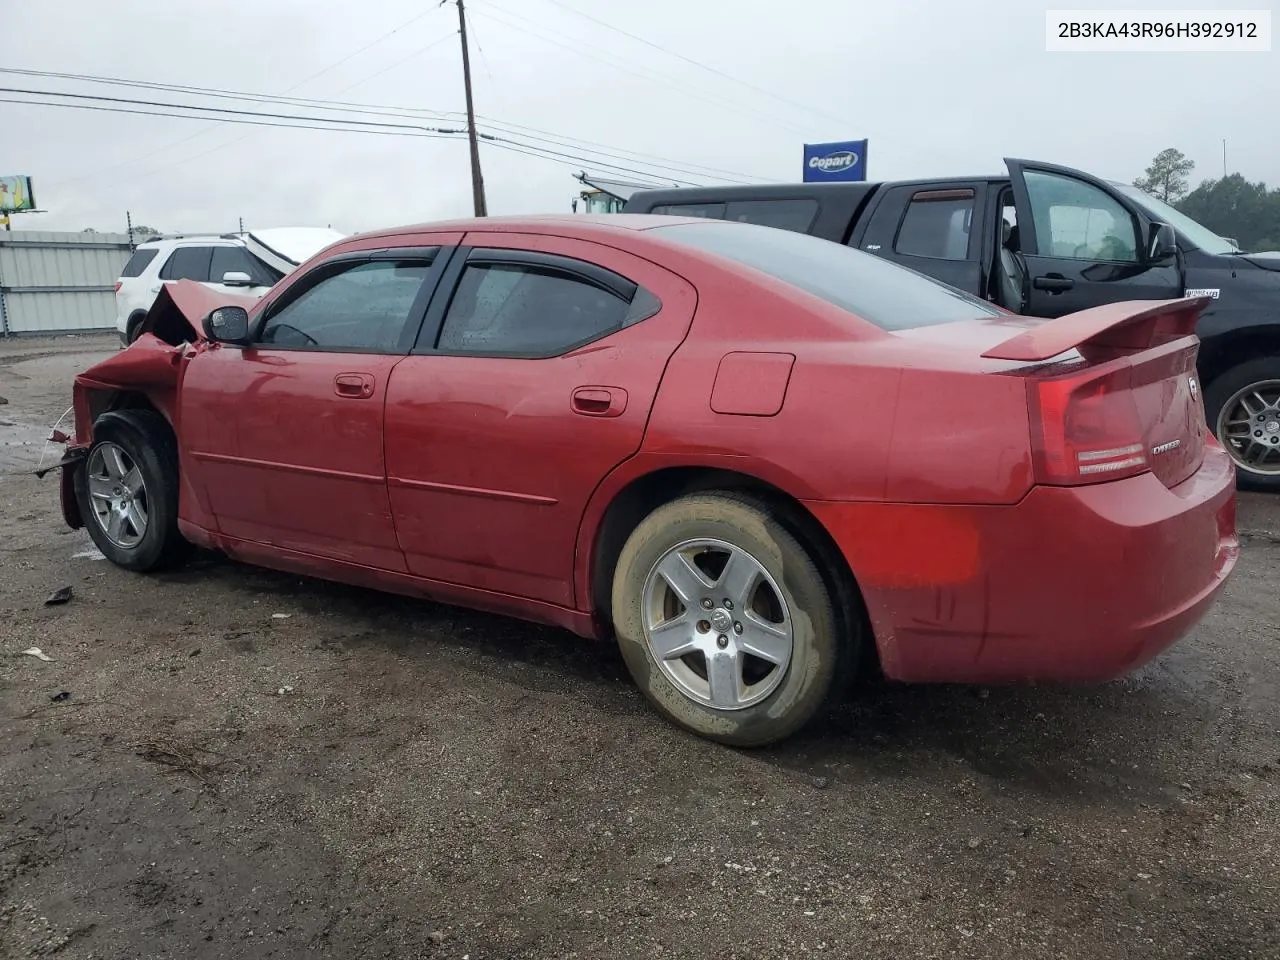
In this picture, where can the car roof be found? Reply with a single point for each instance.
(770, 191)
(581, 224)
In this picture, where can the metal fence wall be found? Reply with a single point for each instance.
(59, 282)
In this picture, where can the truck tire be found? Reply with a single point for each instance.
(127, 490)
(725, 621)
(1242, 406)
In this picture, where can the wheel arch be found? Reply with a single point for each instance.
(1220, 353)
(621, 510)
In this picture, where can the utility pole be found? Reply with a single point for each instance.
(477, 178)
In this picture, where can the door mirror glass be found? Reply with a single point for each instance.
(228, 325)
(236, 278)
(1164, 243)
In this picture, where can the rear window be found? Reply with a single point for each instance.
(880, 292)
(138, 262)
(794, 214)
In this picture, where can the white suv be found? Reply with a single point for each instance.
(242, 263)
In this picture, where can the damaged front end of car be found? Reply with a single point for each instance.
(147, 374)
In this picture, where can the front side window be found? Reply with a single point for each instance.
(535, 310)
(238, 260)
(1077, 221)
(936, 228)
(361, 306)
(188, 263)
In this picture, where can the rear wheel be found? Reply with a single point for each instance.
(128, 491)
(132, 327)
(724, 620)
(1243, 408)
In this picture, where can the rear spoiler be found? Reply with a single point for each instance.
(1114, 328)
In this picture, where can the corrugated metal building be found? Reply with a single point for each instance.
(59, 282)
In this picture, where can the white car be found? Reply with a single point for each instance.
(243, 263)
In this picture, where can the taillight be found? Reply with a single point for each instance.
(118, 286)
(1085, 428)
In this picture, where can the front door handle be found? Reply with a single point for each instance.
(599, 401)
(353, 386)
(1054, 283)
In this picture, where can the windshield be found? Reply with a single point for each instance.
(1201, 236)
(876, 290)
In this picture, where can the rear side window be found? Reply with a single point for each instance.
(188, 263)
(936, 225)
(794, 214)
(138, 262)
(536, 310)
(877, 290)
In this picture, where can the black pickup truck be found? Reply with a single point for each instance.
(1046, 240)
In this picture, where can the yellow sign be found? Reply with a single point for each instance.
(16, 194)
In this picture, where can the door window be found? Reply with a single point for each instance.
(1078, 221)
(188, 263)
(358, 306)
(238, 260)
(535, 310)
(936, 227)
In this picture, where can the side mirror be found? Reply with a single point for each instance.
(228, 325)
(236, 278)
(1163, 244)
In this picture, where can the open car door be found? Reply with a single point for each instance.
(1084, 244)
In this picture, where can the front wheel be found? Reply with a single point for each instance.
(724, 620)
(1243, 408)
(127, 490)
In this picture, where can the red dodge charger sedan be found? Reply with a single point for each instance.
(756, 459)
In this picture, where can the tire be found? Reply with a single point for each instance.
(143, 441)
(787, 696)
(131, 328)
(1222, 398)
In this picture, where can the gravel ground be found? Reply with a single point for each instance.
(229, 762)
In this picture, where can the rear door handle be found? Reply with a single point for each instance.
(599, 401)
(1054, 283)
(354, 386)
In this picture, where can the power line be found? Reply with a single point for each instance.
(332, 125)
(501, 127)
(200, 133)
(697, 63)
(488, 11)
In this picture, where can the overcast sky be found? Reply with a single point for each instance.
(938, 86)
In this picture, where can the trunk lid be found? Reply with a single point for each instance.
(1113, 389)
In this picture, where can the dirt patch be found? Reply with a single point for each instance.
(373, 777)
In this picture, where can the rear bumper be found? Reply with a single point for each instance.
(1069, 584)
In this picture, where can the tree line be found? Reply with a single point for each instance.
(1232, 206)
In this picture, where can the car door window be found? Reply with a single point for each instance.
(188, 263)
(936, 227)
(535, 310)
(1078, 221)
(238, 260)
(360, 306)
